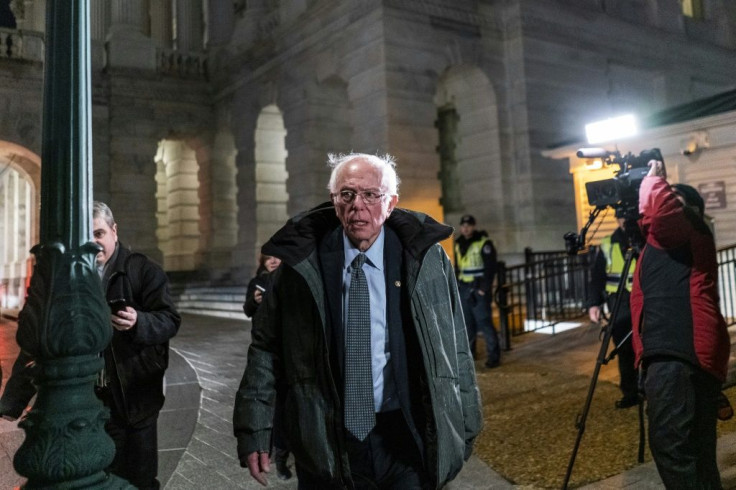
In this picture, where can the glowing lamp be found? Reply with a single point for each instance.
(611, 129)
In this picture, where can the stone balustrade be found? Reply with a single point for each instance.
(19, 44)
(184, 65)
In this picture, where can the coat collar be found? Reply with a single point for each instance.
(300, 236)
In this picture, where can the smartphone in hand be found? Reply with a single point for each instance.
(116, 305)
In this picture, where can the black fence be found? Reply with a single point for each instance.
(550, 287)
(727, 282)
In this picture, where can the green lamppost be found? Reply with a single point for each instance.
(66, 323)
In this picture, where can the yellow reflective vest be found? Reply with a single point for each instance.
(470, 265)
(615, 265)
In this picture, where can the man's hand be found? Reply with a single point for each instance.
(258, 464)
(657, 168)
(125, 319)
(594, 313)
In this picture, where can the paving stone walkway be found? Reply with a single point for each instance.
(197, 447)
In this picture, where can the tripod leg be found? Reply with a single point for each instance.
(642, 433)
(601, 359)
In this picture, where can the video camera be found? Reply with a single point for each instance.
(621, 192)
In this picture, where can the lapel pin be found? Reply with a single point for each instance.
(397, 284)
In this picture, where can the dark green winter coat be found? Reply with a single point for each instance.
(291, 345)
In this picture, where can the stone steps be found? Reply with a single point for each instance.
(223, 301)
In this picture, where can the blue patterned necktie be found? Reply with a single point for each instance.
(360, 414)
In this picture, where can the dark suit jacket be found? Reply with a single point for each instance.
(332, 256)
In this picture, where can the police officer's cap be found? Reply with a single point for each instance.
(467, 219)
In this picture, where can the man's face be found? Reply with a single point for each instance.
(105, 237)
(466, 230)
(362, 222)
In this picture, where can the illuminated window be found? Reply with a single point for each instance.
(692, 9)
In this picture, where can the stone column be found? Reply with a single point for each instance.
(99, 23)
(189, 27)
(223, 196)
(161, 23)
(127, 45)
(182, 205)
(220, 22)
(99, 14)
(271, 174)
(33, 15)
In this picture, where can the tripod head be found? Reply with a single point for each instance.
(634, 237)
(576, 242)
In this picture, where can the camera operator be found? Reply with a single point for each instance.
(605, 274)
(680, 336)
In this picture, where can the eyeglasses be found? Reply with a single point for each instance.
(369, 197)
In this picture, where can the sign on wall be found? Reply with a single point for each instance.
(714, 194)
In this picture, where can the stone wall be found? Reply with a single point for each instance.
(369, 76)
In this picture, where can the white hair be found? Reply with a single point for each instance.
(385, 163)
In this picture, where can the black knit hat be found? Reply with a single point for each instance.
(691, 195)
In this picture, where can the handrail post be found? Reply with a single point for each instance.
(502, 301)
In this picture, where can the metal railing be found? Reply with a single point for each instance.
(727, 282)
(550, 288)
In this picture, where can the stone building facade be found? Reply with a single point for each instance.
(212, 119)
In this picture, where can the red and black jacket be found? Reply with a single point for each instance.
(674, 301)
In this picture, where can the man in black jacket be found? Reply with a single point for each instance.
(143, 318)
(131, 383)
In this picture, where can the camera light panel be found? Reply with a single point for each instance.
(611, 129)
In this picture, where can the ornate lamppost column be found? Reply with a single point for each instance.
(66, 322)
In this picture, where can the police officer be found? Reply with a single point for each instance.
(475, 266)
(608, 265)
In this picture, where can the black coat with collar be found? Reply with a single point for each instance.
(136, 359)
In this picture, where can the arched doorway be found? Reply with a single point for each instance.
(471, 169)
(20, 179)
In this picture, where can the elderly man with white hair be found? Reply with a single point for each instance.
(364, 329)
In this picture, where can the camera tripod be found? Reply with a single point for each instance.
(605, 358)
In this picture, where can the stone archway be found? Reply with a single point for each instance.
(470, 149)
(20, 181)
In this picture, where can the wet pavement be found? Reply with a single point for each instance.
(196, 445)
